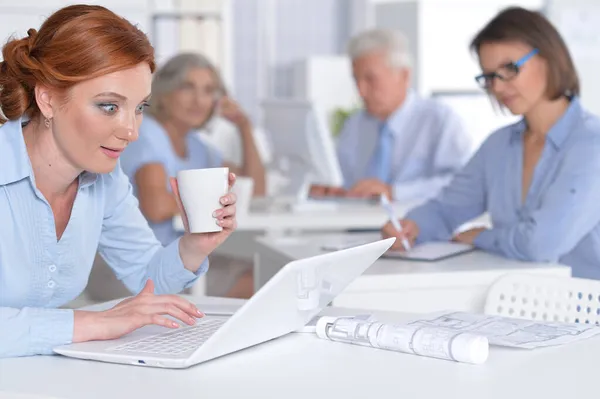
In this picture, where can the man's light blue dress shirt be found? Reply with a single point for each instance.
(154, 147)
(559, 221)
(39, 274)
(430, 144)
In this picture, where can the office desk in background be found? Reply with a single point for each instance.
(274, 215)
(277, 219)
(458, 283)
(301, 366)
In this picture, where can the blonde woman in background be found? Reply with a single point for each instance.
(188, 93)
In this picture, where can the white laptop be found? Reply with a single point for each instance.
(287, 302)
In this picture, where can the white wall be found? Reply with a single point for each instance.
(327, 82)
(249, 71)
(168, 35)
(579, 23)
(17, 17)
(202, 26)
(210, 31)
(271, 36)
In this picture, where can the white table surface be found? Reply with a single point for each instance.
(303, 366)
(461, 282)
(299, 247)
(278, 217)
(276, 220)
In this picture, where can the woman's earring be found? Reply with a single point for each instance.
(47, 123)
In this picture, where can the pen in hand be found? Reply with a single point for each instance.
(385, 202)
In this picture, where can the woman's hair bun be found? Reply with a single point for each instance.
(17, 82)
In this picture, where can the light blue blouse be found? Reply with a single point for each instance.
(154, 146)
(560, 218)
(39, 274)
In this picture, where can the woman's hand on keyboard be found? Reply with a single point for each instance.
(143, 309)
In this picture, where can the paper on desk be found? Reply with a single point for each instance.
(341, 243)
(510, 332)
(431, 251)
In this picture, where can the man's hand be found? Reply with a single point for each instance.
(317, 191)
(370, 188)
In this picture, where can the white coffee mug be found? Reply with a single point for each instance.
(243, 189)
(201, 191)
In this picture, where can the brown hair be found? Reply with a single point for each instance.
(74, 44)
(516, 24)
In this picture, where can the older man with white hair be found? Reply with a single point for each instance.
(400, 144)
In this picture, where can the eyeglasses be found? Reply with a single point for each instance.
(505, 72)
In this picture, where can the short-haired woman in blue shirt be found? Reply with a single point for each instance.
(187, 92)
(72, 97)
(537, 178)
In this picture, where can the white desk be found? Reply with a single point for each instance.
(459, 283)
(277, 219)
(278, 222)
(265, 217)
(303, 366)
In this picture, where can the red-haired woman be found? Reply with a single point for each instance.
(72, 97)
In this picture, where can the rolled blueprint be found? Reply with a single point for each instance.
(437, 342)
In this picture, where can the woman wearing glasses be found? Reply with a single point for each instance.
(537, 178)
(187, 93)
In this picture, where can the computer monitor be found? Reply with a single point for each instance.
(303, 147)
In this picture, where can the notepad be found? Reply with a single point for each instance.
(431, 251)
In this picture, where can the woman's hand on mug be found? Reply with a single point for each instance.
(144, 309)
(194, 248)
(410, 232)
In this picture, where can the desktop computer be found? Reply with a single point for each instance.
(304, 152)
(303, 148)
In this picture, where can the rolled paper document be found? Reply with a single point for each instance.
(437, 342)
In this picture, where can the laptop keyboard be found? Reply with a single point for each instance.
(175, 342)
